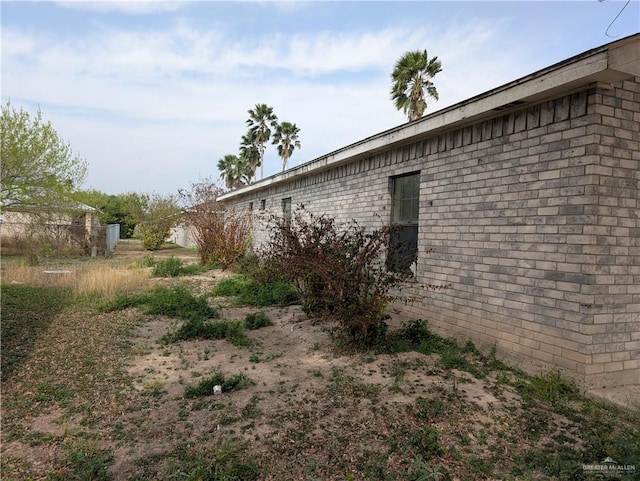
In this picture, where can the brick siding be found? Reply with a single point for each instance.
(533, 219)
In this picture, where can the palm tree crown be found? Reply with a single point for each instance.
(412, 82)
(250, 151)
(261, 121)
(286, 138)
(235, 171)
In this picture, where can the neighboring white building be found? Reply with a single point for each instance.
(182, 235)
(73, 222)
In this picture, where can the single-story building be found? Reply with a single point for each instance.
(525, 200)
(72, 223)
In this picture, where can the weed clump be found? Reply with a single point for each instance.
(256, 320)
(227, 462)
(174, 301)
(170, 267)
(146, 261)
(85, 463)
(549, 387)
(205, 387)
(232, 331)
(179, 303)
(415, 336)
(174, 267)
(247, 291)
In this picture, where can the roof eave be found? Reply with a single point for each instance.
(607, 64)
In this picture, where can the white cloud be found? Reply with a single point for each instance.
(17, 43)
(193, 59)
(133, 7)
(155, 109)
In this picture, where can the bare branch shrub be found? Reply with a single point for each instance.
(222, 235)
(339, 273)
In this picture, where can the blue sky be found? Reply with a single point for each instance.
(152, 94)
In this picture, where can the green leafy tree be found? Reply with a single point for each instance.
(286, 138)
(39, 169)
(412, 83)
(155, 216)
(261, 121)
(112, 209)
(250, 152)
(234, 170)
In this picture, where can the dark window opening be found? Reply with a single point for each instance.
(250, 206)
(263, 204)
(403, 243)
(286, 208)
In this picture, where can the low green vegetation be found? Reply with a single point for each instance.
(228, 462)
(416, 336)
(174, 267)
(227, 383)
(256, 320)
(549, 387)
(560, 452)
(176, 301)
(84, 464)
(146, 261)
(232, 331)
(246, 291)
(201, 319)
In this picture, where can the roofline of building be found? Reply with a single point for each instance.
(606, 64)
(69, 207)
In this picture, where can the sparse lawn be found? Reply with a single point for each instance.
(96, 394)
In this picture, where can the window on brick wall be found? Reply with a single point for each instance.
(403, 245)
(286, 208)
(263, 204)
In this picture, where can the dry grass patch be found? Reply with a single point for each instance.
(81, 279)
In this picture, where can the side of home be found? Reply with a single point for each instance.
(524, 200)
(75, 223)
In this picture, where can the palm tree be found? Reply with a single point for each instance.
(234, 170)
(261, 121)
(412, 80)
(250, 151)
(286, 138)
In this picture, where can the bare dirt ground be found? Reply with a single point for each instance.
(311, 412)
(303, 393)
